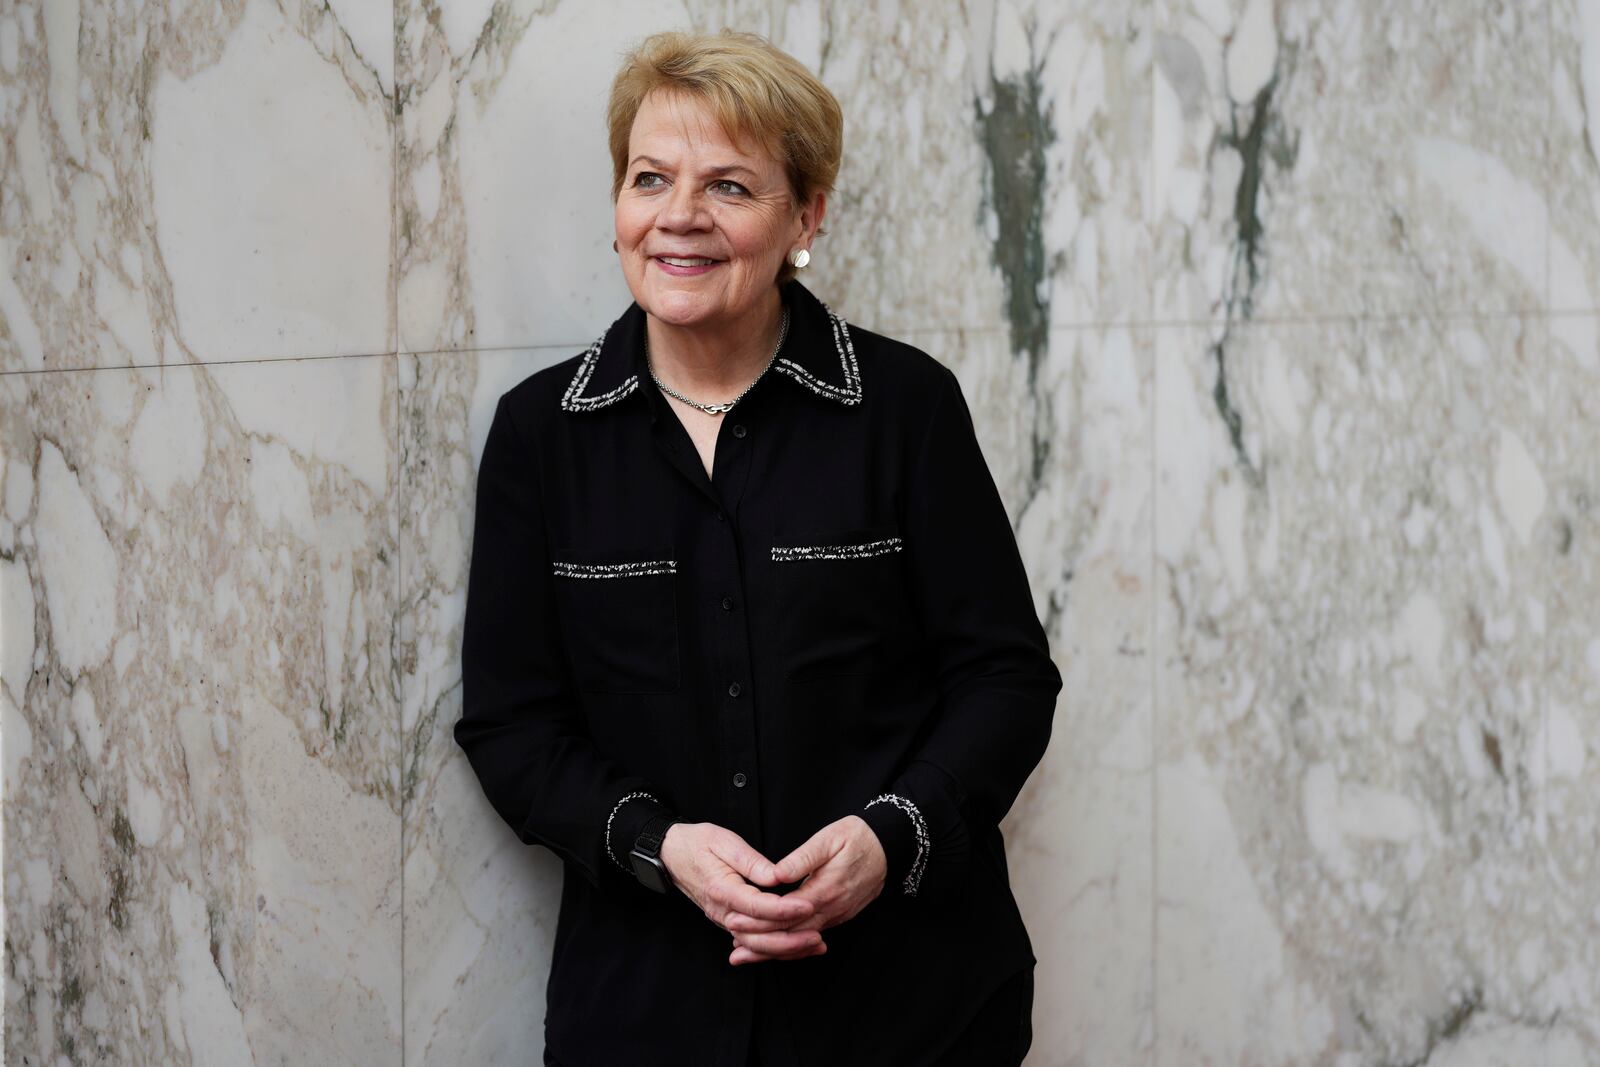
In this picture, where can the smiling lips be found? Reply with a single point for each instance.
(684, 265)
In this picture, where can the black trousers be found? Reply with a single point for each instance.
(1000, 1034)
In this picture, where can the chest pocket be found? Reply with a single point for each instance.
(619, 614)
(842, 603)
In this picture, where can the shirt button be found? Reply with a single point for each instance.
(733, 689)
(727, 603)
(738, 430)
(720, 516)
(739, 780)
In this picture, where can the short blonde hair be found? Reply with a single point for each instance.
(752, 88)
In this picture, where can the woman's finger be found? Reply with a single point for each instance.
(781, 942)
(739, 922)
(746, 899)
(745, 954)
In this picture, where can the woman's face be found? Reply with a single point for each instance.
(691, 193)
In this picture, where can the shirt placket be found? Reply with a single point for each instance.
(722, 577)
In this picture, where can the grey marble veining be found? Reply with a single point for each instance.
(503, 207)
(202, 814)
(169, 202)
(480, 906)
(1351, 719)
(1355, 159)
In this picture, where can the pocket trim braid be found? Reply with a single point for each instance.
(791, 553)
(565, 569)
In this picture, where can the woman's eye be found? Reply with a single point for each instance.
(732, 187)
(640, 179)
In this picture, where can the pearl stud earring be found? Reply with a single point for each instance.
(800, 257)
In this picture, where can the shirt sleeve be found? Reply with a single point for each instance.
(521, 726)
(996, 679)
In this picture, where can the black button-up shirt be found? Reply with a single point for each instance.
(837, 621)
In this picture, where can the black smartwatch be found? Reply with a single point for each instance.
(646, 854)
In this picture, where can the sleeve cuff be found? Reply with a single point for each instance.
(903, 832)
(628, 817)
(925, 826)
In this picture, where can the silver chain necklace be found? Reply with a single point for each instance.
(718, 409)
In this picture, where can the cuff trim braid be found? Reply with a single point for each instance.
(914, 876)
(613, 815)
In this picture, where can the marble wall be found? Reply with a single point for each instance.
(1280, 323)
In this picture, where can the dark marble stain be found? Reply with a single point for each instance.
(1015, 131)
(122, 832)
(1257, 132)
(216, 920)
(336, 729)
(417, 746)
(1056, 605)
(117, 899)
(71, 993)
(1230, 414)
(1254, 147)
(1491, 748)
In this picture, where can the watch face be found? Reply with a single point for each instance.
(650, 874)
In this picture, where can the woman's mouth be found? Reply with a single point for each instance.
(682, 266)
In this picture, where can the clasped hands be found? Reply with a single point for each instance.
(843, 866)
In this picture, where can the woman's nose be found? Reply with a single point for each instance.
(683, 210)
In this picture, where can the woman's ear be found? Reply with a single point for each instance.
(811, 218)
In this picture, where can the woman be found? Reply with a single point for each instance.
(748, 640)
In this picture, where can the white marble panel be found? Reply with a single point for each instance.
(201, 743)
(1363, 158)
(194, 184)
(1079, 838)
(1571, 737)
(480, 906)
(1352, 521)
(1574, 136)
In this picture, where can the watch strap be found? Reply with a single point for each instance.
(653, 833)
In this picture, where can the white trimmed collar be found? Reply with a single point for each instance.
(817, 353)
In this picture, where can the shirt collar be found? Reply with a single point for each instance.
(817, 353)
